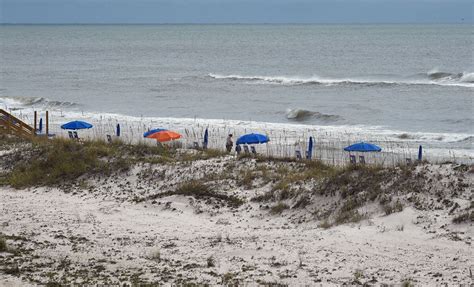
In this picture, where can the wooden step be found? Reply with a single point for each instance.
(13, 125)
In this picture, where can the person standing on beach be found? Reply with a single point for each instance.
(229, 143)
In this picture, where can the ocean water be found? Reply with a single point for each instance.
(390, 79)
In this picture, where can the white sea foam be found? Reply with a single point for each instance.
(467, 78)
(433, 78)
(24, 102)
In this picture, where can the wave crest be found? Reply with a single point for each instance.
(467, 78)
(24, 102)
(303, 115)
(431, 78)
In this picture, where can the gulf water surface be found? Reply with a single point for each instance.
(411, 79)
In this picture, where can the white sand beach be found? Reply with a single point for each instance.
(111, 230)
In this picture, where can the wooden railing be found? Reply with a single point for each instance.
(13, 125)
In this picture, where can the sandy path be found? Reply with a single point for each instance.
(114, 241)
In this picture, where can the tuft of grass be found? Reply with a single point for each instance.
(7, 140)
(211, 262)
(141, 149)
(263, 197)
(464, 217)
(229, 279)
(358, 274)
(194, 188)
(199, 189)
(302, 202)
(347, 216)
(15, 270)
(201, 155)
(3, 244)
(278, 208)
(155, 255)
(246, 179)
(325, 224)
(407, 283)
(283, 185)
(390, 208)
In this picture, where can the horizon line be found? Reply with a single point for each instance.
(241, 23)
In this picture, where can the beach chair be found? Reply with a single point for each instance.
(76, 136)
(238, 149)
(109, 138)
(352, 159)
(298, 154)
(246, 149)
(196, 145)
(408, 160)
(361, 159)
(254, 151)
(71, 136)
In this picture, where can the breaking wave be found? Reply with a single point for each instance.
(303, 115)
(20, 102)
(431, 78)
(469, 139)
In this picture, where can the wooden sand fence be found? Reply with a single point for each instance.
(328, 146)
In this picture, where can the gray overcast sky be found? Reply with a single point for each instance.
(236, 11)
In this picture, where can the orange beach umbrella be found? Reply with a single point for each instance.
(164, 136)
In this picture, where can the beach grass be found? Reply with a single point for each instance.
(3, 244)
(200, 190)
(215, 176)
(51, 162)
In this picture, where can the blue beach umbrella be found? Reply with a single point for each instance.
(117, 131)
(40, 128)
(420, 153)
(206, 138)
(253, 139)
(310, 148)
(150, 132)
(363, 147)
(76, 125)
